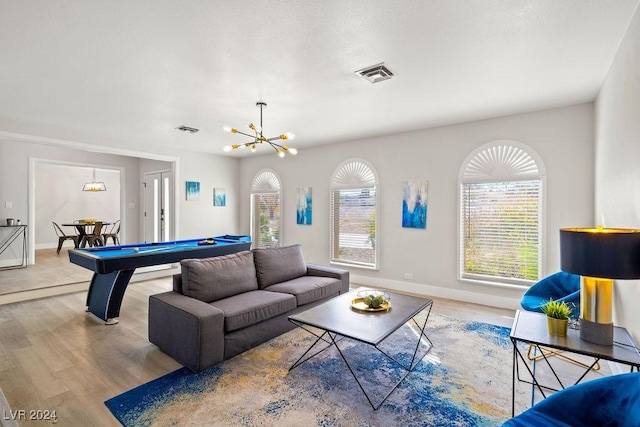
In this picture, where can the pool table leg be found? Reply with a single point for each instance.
(105, 294)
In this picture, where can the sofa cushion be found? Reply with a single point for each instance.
(249, 308)
(308, 289)
(211, 279)
(275, 265)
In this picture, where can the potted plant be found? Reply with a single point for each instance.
(558, 313)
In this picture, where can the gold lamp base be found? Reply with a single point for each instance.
(596, 306)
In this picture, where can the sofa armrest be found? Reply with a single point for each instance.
(336, 273)
(189, 330)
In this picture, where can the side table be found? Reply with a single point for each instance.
(15, 232)
(531, 328)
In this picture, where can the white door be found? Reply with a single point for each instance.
(158, 202)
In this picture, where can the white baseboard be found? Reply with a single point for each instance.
(68, 245)
(438, 292)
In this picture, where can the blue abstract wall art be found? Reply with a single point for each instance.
(414, 204)
(219, 197)
(303, 206)
(193, 191)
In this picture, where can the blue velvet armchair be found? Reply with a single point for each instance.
(612, 401)
(559, 286)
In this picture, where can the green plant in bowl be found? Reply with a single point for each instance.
(373, 298)
(556, 309)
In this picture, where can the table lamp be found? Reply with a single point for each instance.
(599, 255)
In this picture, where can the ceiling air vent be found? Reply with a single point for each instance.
(184, 128)
(376, 73)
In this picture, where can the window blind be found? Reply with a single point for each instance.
(353, 226)
(501, 230)
(265, 219)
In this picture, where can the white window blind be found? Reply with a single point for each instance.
(266, 223)
(265, 210)
(353, 233)
(501, 230)
(353, 224)
(501, 199)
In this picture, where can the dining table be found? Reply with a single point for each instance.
(83, 228)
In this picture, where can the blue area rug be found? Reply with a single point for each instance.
(464, 380)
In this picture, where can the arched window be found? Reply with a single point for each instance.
(354, 213)
(265, 210)
(501, 200)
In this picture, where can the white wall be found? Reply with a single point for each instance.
(562, 137)
(617, 184)
(200, 218)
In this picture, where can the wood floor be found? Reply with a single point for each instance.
(55, 356)
(50, 269)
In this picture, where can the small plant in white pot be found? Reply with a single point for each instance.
(558, 313)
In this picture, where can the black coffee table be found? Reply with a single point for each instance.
(336, 319)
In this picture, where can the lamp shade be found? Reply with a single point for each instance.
(612, 253)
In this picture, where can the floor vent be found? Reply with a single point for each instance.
(376, 73)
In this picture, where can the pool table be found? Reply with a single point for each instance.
(113, 266)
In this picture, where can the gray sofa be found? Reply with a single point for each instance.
(222, 306)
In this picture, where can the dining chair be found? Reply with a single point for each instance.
(62, 236)
(95, 238)
(112, 233)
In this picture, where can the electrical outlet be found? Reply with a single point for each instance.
(408, 276)
(8, 205)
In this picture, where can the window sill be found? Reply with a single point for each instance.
(346, 264)
(503, 285)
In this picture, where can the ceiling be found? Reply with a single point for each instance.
(130, 72)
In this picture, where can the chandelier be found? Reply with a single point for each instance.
(258, 138)
(94, 185)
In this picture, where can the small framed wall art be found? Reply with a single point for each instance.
(192, 191)
(219, 197)
(414, 203)
(303, 206)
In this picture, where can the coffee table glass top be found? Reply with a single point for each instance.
(336, 315)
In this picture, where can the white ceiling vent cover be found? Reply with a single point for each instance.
(376, 73)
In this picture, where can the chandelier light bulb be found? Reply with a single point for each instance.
(259, 138)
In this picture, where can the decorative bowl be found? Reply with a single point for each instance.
(372, 300)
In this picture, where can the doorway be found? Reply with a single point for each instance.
(157, 190)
